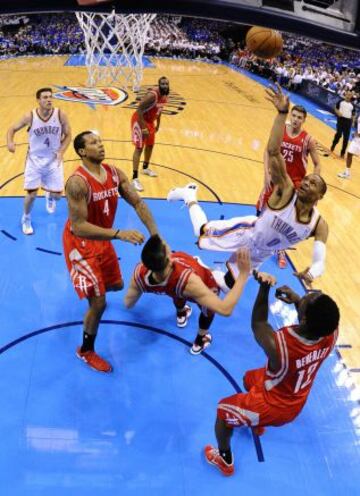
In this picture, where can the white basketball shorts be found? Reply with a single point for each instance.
(227, 235)
(230, 235)
(44, 172)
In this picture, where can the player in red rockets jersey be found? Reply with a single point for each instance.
(277, 392)
(184, 278)
(143, 128)
(296, 147)
(92, 193)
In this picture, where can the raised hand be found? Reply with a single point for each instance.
(131, 236)
(277, 98)
(243, 260)
(286, 294)
(305, 277)
(264, 278)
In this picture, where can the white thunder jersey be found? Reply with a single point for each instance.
(45, 135)
(273, 230)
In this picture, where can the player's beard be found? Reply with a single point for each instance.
(164, 91)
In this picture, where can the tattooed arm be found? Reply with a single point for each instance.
(132, 198)
(76, 194)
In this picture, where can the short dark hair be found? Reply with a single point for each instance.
(300, 108)
(42, 90)
(153, 255)
(79, 141)
(322, 316)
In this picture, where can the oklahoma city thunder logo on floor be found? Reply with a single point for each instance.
(104, 95)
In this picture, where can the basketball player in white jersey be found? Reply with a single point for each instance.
(49, 137)
(290, 218)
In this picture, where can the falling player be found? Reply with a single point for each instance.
(296, 146)
(291, 215)
(185, 278)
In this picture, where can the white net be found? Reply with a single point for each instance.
(114, 46)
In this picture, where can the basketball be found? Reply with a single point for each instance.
(264, 42)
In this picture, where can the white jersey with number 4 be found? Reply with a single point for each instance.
(273, 230)
(42, 168)
(45, 134)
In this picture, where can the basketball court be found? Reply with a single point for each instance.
(67, 430)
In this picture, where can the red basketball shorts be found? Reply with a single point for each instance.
(93, 265)
(251, 408)
(137, 136)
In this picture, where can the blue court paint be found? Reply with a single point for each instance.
(8, 235)
(79, 60)
(51, 252)
(67, 430)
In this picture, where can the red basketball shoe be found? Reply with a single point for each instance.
(94, 360)
(281, 259)
(213, 457)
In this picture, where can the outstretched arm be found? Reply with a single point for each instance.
(277, 164)
(263, 332)
(129, 194)
(199, 292)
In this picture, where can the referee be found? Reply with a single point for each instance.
(345, 112)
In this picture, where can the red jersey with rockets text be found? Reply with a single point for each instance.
(300, 361)
(102, 197)
(183, 265)
(295, 151)
(155, 109)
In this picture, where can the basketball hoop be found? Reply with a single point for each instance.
(114, 46)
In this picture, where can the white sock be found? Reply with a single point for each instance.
(190, 195)
(198, 218)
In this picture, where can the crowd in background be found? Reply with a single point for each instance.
(336, 69)
(40, 35)
(333, 68)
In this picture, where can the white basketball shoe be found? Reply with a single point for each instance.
(344, 175)
(188, 193)
(137, 185)
(50, 203)
(26, 225)
(149, 172)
